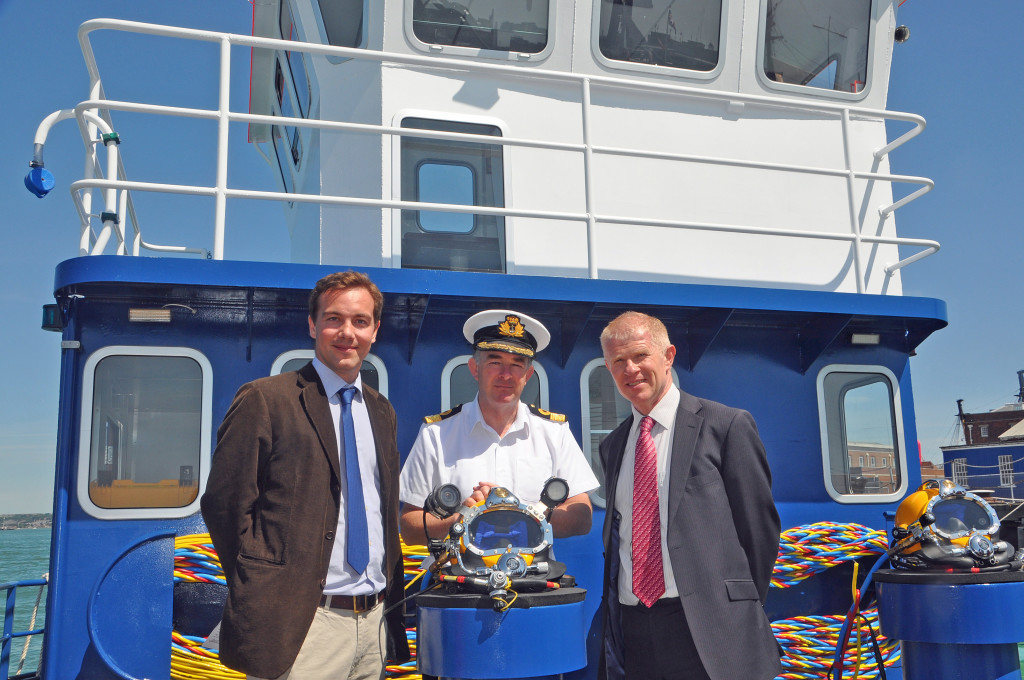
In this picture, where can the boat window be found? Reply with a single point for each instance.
(291, 133)
(282, 151)
(343, 21)
(455, 172)
(296, 61)
(146, 428)
(603, 408)
(373, 371)
(821, 44)
(497, 25)
(445, 183)
(683, 34)
(459, 387)
(859, 416)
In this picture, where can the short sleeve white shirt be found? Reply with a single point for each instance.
(464, 450)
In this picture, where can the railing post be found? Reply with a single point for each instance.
(5, 648)
(588, 182)
(223, 110)
(85, 240)
(852, 202)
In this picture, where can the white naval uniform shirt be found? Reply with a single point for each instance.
(464, 450)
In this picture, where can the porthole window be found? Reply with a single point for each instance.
(861, 434)
(373, 371)
(146, 430)
(459, 387)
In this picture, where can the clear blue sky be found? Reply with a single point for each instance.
(960, 70)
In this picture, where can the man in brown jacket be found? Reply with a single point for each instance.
(302, 506)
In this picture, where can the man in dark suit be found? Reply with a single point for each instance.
(691, 532)
(302, 506)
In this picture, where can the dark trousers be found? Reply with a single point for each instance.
(658, 644)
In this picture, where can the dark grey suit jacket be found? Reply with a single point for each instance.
(271, 504)
(723, 539)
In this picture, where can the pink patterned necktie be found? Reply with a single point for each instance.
(648, 576)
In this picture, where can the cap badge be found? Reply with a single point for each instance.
(511, 327)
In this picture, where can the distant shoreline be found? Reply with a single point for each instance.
(26, 521)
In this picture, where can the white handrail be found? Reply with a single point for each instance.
(224, 116)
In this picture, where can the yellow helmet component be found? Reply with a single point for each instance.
(944, 526)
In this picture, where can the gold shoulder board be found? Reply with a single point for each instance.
(553, 417)
(430, 420)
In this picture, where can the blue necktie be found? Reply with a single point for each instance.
(357, 541)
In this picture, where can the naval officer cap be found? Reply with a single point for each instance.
(504, 330)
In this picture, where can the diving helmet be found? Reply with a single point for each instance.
(502, 533)
(944, 526)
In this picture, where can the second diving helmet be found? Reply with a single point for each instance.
(944, 526)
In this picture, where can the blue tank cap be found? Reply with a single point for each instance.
(39, 181)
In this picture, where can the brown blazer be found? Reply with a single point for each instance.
(271, 504)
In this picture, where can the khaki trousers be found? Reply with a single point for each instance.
(340, 645)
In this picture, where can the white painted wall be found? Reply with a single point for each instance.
(362, 165)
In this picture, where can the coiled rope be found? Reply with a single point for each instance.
(196, 561)
(812, 548)
(412, 566)
(809, 642)
(809, 645)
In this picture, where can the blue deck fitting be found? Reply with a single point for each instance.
(954, 626)
(480, 643)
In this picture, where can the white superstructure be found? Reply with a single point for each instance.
(703, 166)
(740, 142)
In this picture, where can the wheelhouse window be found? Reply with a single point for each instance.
(459, 387)
(343, 21)
(373, 372)
(295, 61)
(859, 413)
(291, 135)
(817, 43)
(458, 173)
(683, 34)
(146, 428)
(283, 153)
(495, 25)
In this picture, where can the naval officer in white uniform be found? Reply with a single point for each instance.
(496, 440)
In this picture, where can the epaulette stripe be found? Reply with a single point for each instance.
(553, 417)
(430, 420)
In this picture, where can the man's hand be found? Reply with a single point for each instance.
(411, 521)
(480, 493)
